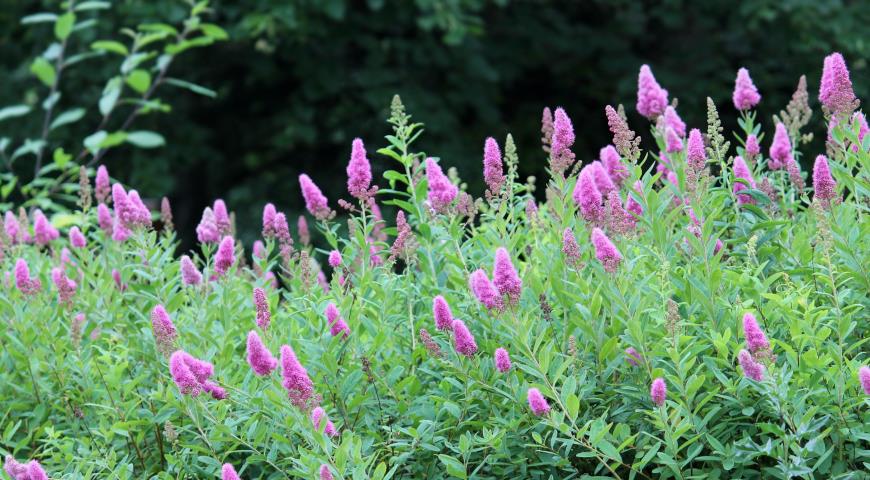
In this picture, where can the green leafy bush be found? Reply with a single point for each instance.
(704, 319)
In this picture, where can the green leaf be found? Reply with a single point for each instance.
(110, 46)
(92, 5)
(43, 71)
(61, 158)
(64, 25)
(67, 117)
(573, 406)
(145, 139)
(139, 80)
(214, 31)
(110, 95)
(454, 466)
(113, 139)
(44, 17)
(6, 189)
(192, 87)
(13, 111)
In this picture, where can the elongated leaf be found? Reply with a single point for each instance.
(67, 117)
(14, 111)
(110, 46)
(64, 25)
(192, 87)
(145, 139)
(43, 70)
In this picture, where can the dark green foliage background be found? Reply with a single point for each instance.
(299, 79)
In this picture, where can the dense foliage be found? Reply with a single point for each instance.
(703, 318)
(305, 77)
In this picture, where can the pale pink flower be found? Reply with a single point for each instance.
(652, 99)
(537, 402)
(745, 94)
(658, 391)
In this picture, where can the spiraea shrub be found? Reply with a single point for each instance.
(698, 309)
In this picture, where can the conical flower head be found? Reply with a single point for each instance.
(463, 340)
(359, 171)
(189, 273)
(755, 338)
(207, 231)
(43, 231)
(325, 474)
(225, 256)
(537, 402)
(315, 201)
(191, 375)
(835, 91)
(864, 378)
(587, 196)
(229, 473)
(318, 415)
(102, 188)
(745, 94)
(485, 291)
(441, 312)
(696, 156)
(259, 357)
(673, 142)
(658, 391)
(164, 330)
(741, 171)
(751, 368)
(823, 183)
(222, 217)
(780, 148)
(334, 258)
(752, 146)
(652, 99)
(299, 387)
(337, 324)
(505, 276)
(261, 304)
(502, 360)
(76, 238)
(602, 179)
(605, 251)
(442, 192)
(632, 205)
(493, 173)
(671, 119)
(570, 247)
(613, 164)
(561, 156)
(104, 218)
(269, 213)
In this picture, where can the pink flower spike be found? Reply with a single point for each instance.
(587, 196)
(752, 147)
(537, 402)
(671, 119)
(229, 473)
(493, 173)
(325, 474)
(189, 273)
(485, 290)
(696, 156)
(225, 256)
(302, 230)
(674, 142)
(755, 338)
(336, 323)
(835, 91)
(261, 304)
(359, 171)
(613, 164)
(207, 231)
(652, 99)
(299, 387)
(505, 276)
(864, 377)
(605, 251)
(76, 239)
(334, 258)
(315, 201)
(119, 283)
(823, 183)
(441, 191)
(633, 357)
(751, 368)
(601, 178)
(222, 217)
(441, 312)
(632, 205)
(780, 148)
(463, 340)
(502, 360)
(741, 171)
(745, 94)
(104, 218)
(570, 247)
(269, 213)
(259, 357)
(43, 231)
(561, 156)
(164, 330)
(102, 188)
(658, 391)
(317, 417)
(26, 284)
